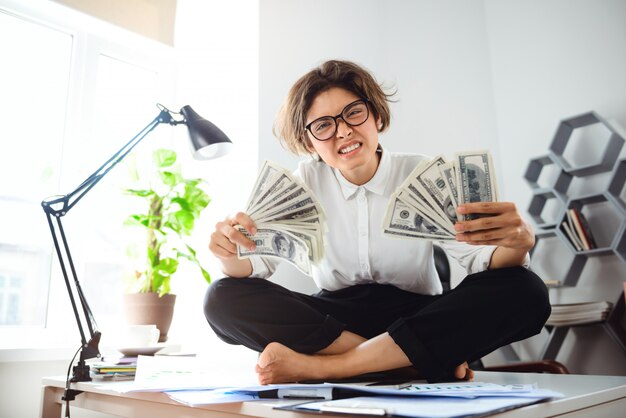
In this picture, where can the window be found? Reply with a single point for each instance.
(87, 89)
(71, 97)
(34, 80)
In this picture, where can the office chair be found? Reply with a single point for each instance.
(442, 265)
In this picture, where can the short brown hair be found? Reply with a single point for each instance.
(289, 125)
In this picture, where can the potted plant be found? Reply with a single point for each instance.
(172, 206)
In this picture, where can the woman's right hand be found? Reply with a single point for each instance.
(224, 242)
(225, 238)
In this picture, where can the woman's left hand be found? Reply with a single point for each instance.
(504, 227)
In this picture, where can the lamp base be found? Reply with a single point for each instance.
(80, 372)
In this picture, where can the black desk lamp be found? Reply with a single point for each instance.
(208, 142)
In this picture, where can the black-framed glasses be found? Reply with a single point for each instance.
(354, 114)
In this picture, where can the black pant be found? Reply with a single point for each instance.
(485, 311)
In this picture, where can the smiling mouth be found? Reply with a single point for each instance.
(350, 148)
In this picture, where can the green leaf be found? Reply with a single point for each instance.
(192, 257)
(164, 157)
(183, 203)
(197, 198)
(169, 178)
(162, 274)
(167, 266)
(186, 220)
(191, 251)
(157, 281)
(181, 222)
(137, 220)
(194, 182)
(205, 274)
(140, 192)
(173, 224)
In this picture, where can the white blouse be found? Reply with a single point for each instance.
(356, 250)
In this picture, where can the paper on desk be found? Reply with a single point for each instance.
(454, 389)
(430, 406)
(208, 397)
(461, 390)
(158, 374)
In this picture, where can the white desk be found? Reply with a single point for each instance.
(585, 396)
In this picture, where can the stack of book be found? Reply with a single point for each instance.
(577, 230)
(571, 306)
(115, 369)
(579, 313)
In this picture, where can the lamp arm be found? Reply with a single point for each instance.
(55, 208)
(70, 199)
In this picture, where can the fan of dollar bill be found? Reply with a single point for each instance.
(424, 206)
(289, 219)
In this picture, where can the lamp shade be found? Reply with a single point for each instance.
(207, 140)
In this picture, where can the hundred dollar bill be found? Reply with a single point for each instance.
(278, 244)
(278, 197)
(309, 237)
(267, 171)
(448, 173)
(433, 186)
(275, 185)
(416, 195)
(296, 210)
(281, 203)
(476, 179)
(403, 219)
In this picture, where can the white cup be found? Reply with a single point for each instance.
(139, 336)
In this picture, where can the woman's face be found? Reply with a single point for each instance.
(353, 148)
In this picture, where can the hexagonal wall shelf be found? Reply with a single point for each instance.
(604, 134)
(620, 247)
(552, 259)
(538, 177)
(603, 217)
(616, 186)
(545, 208)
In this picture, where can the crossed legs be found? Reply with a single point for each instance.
(373, 328)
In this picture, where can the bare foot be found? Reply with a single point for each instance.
(463, 372)
(346, 341)
(280, 364)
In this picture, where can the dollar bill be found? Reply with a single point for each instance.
(448, 174)
(267, 171)
(285, 210)
(278, 244)
(274, 186)
(419, 199)
(433, 187)
(403, 219)
(424, 206)
(476, 179)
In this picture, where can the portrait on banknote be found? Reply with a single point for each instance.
(283, 246)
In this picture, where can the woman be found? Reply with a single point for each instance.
(380, 306)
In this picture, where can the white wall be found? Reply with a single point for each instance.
(552, 60)
(470, 74)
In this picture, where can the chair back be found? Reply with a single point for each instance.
(442, 265)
